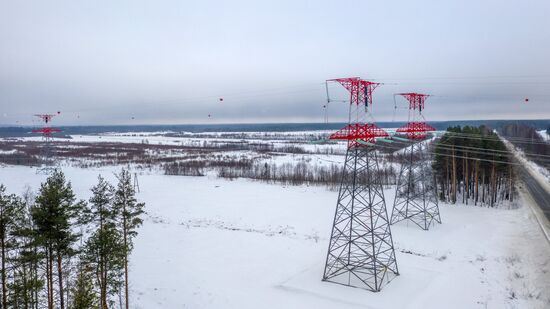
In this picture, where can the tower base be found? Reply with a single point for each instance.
(415, 195)
(361, 252)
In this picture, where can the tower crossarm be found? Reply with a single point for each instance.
(46, 131)
(353, 132)
(416, 130)
(45, 117)
(360, 90)
(416, 100)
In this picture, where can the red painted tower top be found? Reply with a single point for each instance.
(416, 128)
(46, 117)
(358, 132)
(46, 130)
(360, 90)
(416, 100)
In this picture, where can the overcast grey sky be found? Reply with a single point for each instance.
(104, 62)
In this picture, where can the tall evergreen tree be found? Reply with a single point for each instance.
(10, 219)
(473, 162)
(104, 249)
(104, 253)
(83, 290)
(26, 284)
(55, 215)
(130, 212)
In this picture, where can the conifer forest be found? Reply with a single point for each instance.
(59, 251)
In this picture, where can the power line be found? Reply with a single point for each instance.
(466, 149)
(489, 153)
(464, 77)
(461, 157)
(479, 148)
(485, 151)
(490, 138)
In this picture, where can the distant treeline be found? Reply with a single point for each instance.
(286, 173)
(85, 154)
(20, 131)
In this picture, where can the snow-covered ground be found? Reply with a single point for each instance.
(544, 135)
(214, 243)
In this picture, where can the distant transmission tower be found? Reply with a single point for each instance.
(361, 251)
(415, 196)
(136, 183)
(46, 151)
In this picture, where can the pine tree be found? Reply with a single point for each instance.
(104, 253)
(27, 284)
(484, 166)
(11, 209)
(104, 249)
(30, 253)
(55, 216)
(83, 292)
(130, 212)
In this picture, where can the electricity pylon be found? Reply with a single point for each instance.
(415, 195)
(46, 150)
(361, 251)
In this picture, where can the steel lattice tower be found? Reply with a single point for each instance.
(46, 151)
(361, 251)
(415, 195)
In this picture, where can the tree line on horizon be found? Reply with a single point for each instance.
(60, 252)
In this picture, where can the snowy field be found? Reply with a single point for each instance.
(210, 242)
(544, 135)
(214, 243)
